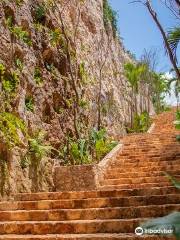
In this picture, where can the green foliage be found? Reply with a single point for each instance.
(9, 127)
(79, 151)
(175, 182)
(86, 150)
(22, 35)
(69, 102)
(19, 64)
(160, 87)
(2, 71)
(29, 103)
(40, 13)
(109, 16)
(101, 143)
(18, 31)
(39, 27)
(9, 22)
(37, 150)
(103, 147)
(10, 80)
(55, 37)
(174, 39)
(37, 146)
(83, 103)
(177, 122)
(38, 76)
(141, 123)
(178, 138)
(83, 73)
(133, 74)
(19, 2)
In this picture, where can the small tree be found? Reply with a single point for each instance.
(133, 74)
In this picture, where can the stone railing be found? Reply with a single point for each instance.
(83, 177)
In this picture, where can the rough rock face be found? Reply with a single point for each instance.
(33, 44)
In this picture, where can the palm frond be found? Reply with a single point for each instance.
(174, 39)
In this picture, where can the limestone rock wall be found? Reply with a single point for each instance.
(37, 54)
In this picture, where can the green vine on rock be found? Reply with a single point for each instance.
(10, 81)
(10, 125)
(109, 16)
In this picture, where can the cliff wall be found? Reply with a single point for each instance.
(57, 58)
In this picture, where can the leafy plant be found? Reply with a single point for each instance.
(29, 103)
(177, 124)
(10, 125)
(141, 122)
(19, 64)
(83, 103)
(101, 144)
(2, 71)
(10, 80)
(83, 73)
(55, 37)
(39, 27)
(109, 16)
(9, 22)
(79, 151)
(133, 74)
(37, 149)
(18, 31)
(174, 181)
(174, 39)
(21, 34)
(85, 150)
(38, 76)
(103, 147)
(40, 13)
(37, 146)
(19, 2)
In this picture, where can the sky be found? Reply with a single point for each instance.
(138, 30)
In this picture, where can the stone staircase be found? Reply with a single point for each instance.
(134, 188)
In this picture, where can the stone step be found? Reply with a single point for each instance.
(142, 160)
(134, 185)
(97, 236)
(123, 169)
(148, 158)
(71, 227)
(139, 180)
(94, 194)
(146, 164)
(149, 152)
(90, 214)
(91, 202)
(139, 174)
